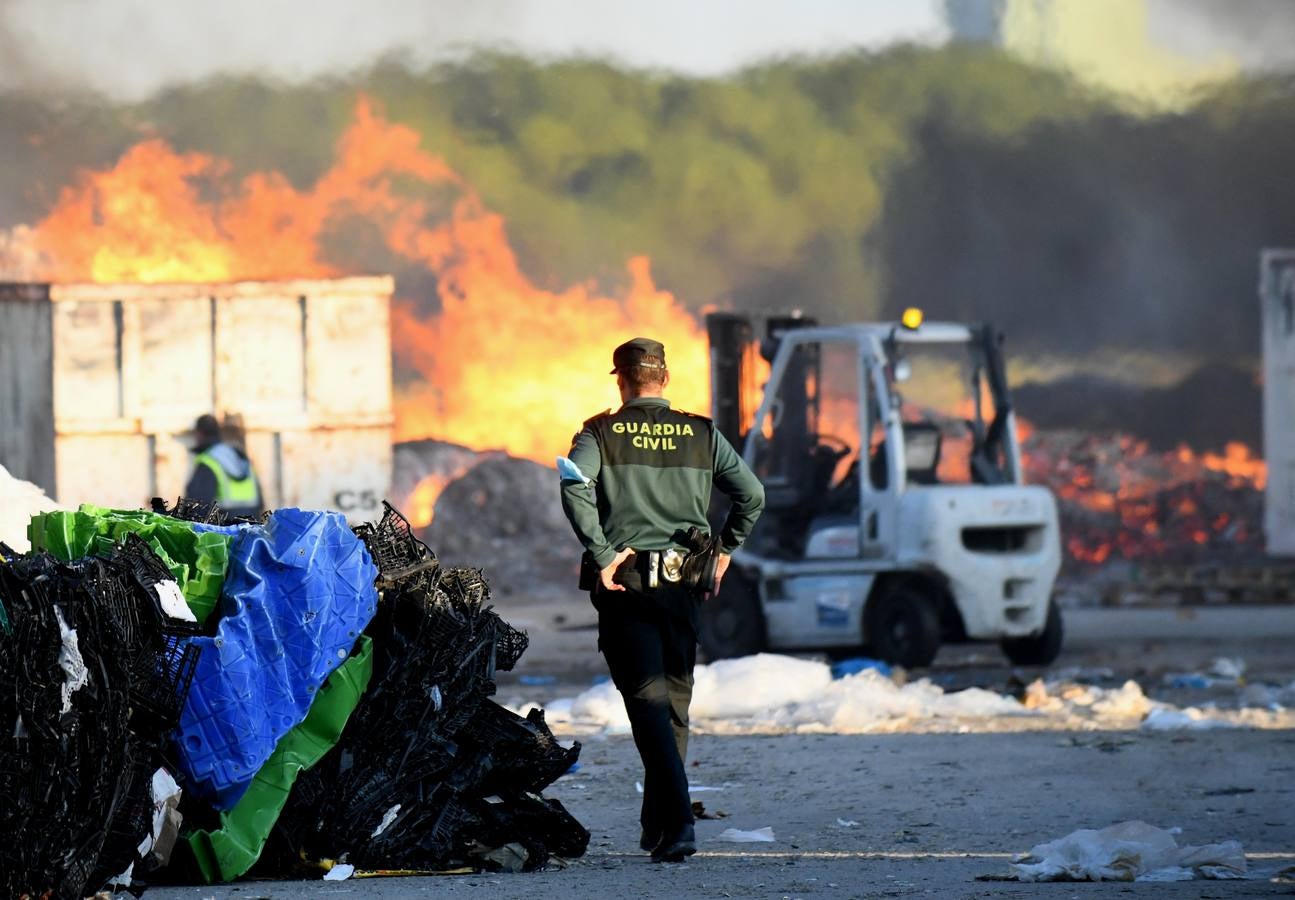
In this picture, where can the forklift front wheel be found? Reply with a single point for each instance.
(1041, 649)
(732, 622)
(903, 625)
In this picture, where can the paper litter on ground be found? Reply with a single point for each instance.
(697, 788)
(774, 694)
(1129, 851)
(339, 872)
(736, 836)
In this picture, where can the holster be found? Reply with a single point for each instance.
(702, 561)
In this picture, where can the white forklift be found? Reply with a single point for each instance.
(896, 517)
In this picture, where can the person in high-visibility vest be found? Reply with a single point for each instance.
(222, 473)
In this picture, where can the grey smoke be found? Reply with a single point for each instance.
(1259, 34)
(128, 49)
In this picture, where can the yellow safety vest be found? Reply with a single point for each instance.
(231, 492)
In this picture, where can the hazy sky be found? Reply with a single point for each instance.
(128, 48)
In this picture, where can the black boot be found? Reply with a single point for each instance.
(676, 845)
(648, 840)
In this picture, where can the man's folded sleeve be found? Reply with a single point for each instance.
(580, 503)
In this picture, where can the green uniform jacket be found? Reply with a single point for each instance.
(650, 470)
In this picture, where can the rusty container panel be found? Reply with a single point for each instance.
(27, 384)
(87, 374)
(166, 359)
(347, 469)
(104, 469)
(172, 465)
(263, 449)
(306, 363)
(259, 368)
(348, 364)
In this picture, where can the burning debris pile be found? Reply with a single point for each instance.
(1121, 501)
(489, 506)
(373, 720)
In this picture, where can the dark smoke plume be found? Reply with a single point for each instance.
(1103, 231)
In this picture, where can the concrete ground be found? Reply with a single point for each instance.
(933, 811)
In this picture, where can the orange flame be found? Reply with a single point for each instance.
(1238, 462)
(504, 364)
(420, 506)
(1133, 503)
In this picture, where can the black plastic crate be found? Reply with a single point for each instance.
(161, 680)
(399, 555)
(147, 572)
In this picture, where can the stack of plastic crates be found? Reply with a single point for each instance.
(163, 666)
(526, 756)
(190, 510)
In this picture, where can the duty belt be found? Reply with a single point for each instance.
(654, 566)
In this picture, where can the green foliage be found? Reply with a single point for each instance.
(777, 186)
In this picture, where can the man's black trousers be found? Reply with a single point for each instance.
(650, 643)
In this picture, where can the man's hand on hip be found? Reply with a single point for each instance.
(721, 566)
(608, 573)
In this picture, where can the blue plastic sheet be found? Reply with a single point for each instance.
(857, 664)
(298, 592)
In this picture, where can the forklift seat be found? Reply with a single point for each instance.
(922, 443)
(922, 451)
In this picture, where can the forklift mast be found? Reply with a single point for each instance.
(734, 393)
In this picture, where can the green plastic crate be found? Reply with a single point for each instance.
(197, 559)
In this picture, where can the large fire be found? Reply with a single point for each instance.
(503, 364)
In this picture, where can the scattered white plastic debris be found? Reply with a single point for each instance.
(768, 692)
(1129, 851)
(339, 872)
(124, 879)
(19, 501)
(697, 788)
(847, 823)
(1083, 673)
(1267, 696)
(1126, 703)
(173, 604)
(1166, 719)
(753, 685)
(75, 675)
(735, 836)
(166, 818)
(773, 694)
(387, 819)
(1230, 667)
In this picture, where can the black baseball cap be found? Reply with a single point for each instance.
(632, 352)
(206, 427)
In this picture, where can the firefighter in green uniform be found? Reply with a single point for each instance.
(222, 473)
(636, 487)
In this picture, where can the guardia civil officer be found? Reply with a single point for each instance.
(637, 498)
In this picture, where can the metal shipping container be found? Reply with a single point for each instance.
(1277, 294)
(97, 380)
